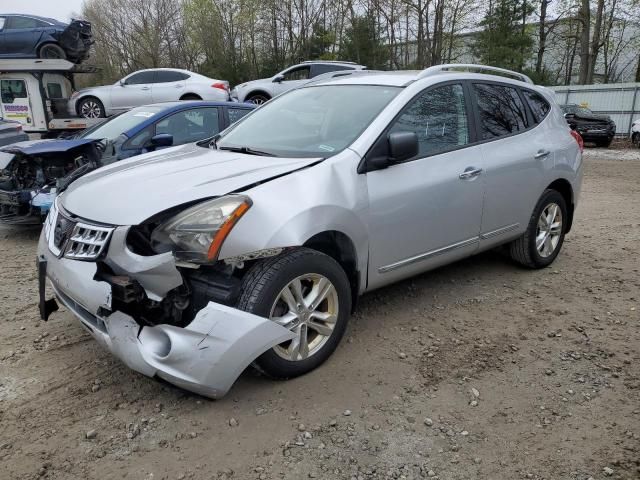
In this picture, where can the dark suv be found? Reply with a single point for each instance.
(599, 129)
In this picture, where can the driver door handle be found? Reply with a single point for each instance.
(145, 88)
(470, 172)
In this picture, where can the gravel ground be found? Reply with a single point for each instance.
(479, 370)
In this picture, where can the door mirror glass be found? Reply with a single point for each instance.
(161, 140)
(278, 78)
(402, 146)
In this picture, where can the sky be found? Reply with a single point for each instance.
(58, 9)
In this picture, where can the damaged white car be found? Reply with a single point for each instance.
(192, 263)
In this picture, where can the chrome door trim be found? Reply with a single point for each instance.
(426, 255)
(499, 231)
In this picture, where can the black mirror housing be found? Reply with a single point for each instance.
(402, 146)
(161, 140)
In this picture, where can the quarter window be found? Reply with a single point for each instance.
(439, 118)
(539, 106)
(501, 111)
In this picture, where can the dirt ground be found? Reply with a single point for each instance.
(479, 370)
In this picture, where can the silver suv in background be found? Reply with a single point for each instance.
(263, 90)
(196, 261)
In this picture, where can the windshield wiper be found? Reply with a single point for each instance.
(247, 151)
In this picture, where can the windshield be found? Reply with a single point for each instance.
(317, 121)
(115, 126)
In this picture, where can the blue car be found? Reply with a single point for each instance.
(33, 172)
(30, 36)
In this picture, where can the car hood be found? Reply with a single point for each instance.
(38, 147)
(130, 191)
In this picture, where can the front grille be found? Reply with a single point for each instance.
(87, 242)
(593, 126)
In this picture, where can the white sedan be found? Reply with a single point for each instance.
(144, 87)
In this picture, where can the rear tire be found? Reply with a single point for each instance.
(540, 244)
(190, 96)
(306, 292)
(635, 139)
(91, 107)
(258, 98)
(52, 51)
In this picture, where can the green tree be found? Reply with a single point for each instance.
(362, 43)
(504, 40)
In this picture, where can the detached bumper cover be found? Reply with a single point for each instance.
(205, 357)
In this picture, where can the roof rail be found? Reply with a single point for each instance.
(330, 61)
(339, 73)
(469, 67)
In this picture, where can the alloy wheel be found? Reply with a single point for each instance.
(549, 230)
(308, 306)
(90, 109)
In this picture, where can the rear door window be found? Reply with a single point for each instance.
(325, 68)
(167, 76)
(501, 110)
(236, 114)
(539, 106)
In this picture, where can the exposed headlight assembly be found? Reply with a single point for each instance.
(196, 234)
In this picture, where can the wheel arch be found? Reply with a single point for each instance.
(258, 92)
(190, 96)
(81, 99)
(564, 188)
(342, 249)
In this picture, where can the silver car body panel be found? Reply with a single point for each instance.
(272, 88)
(120, 97)
(206, 357)
(400, 221)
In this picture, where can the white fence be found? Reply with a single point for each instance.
(621, 101)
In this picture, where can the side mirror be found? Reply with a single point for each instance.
(122, 82)
(401, 146)
(161, 140)
(569, 115)
(278, 79)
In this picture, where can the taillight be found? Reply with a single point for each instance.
(578, 139)
(221, 85)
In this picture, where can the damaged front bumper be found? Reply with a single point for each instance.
(206, 356)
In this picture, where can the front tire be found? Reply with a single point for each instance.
(540, 244)
(306, 292)
(91, 107)
(635, 139)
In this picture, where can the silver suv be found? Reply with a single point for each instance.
(263, 90)
(196, 261)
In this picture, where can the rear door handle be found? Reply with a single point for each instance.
(542, 154)
(145, 88)
(470, 172)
